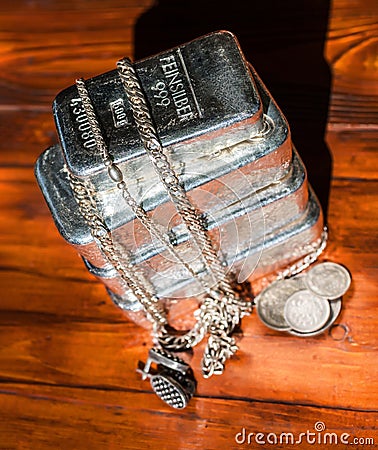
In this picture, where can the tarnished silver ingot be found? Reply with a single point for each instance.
(228, 142)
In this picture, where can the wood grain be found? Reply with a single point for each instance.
(73, 323)
(68, 356)
(351, 50)
(66, 418)
(65, 40)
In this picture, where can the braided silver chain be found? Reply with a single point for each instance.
(222, 310)
(225, 302)
(85, 197)
(316, 249)
(116, 176)
(218, 325)
(189, 213)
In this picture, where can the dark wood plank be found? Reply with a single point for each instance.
(354, 153)
(86, 38)
(351, 50)
(104, 356)
(46, 45)
(40, 317)
(25, 134)
(46, 417)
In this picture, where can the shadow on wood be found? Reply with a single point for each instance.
(284, 41)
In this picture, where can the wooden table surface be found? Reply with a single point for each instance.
(67, 354)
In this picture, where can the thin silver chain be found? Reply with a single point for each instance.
(85, 197)
(185, 208)
(219, 317)
(223, 306)
(316, 250)
(151, 305)
(134, 278)
(116, 176)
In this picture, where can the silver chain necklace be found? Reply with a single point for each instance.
(225, 302)
(223, 307)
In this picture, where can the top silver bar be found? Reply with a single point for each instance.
(200, 93)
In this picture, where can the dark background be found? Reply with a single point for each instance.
(284, 41)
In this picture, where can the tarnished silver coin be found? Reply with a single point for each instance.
(335, 311)
(328, 279)
(270, 303)
(305, 311)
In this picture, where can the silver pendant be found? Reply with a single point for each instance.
(172, 378)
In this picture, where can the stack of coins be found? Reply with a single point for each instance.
(305, 305)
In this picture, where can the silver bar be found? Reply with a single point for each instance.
(200, 93)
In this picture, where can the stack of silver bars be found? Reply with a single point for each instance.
(230, 147)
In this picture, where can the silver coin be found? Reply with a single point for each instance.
(305, 311)
(335, 311)
(270, 303)
(328, 279)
